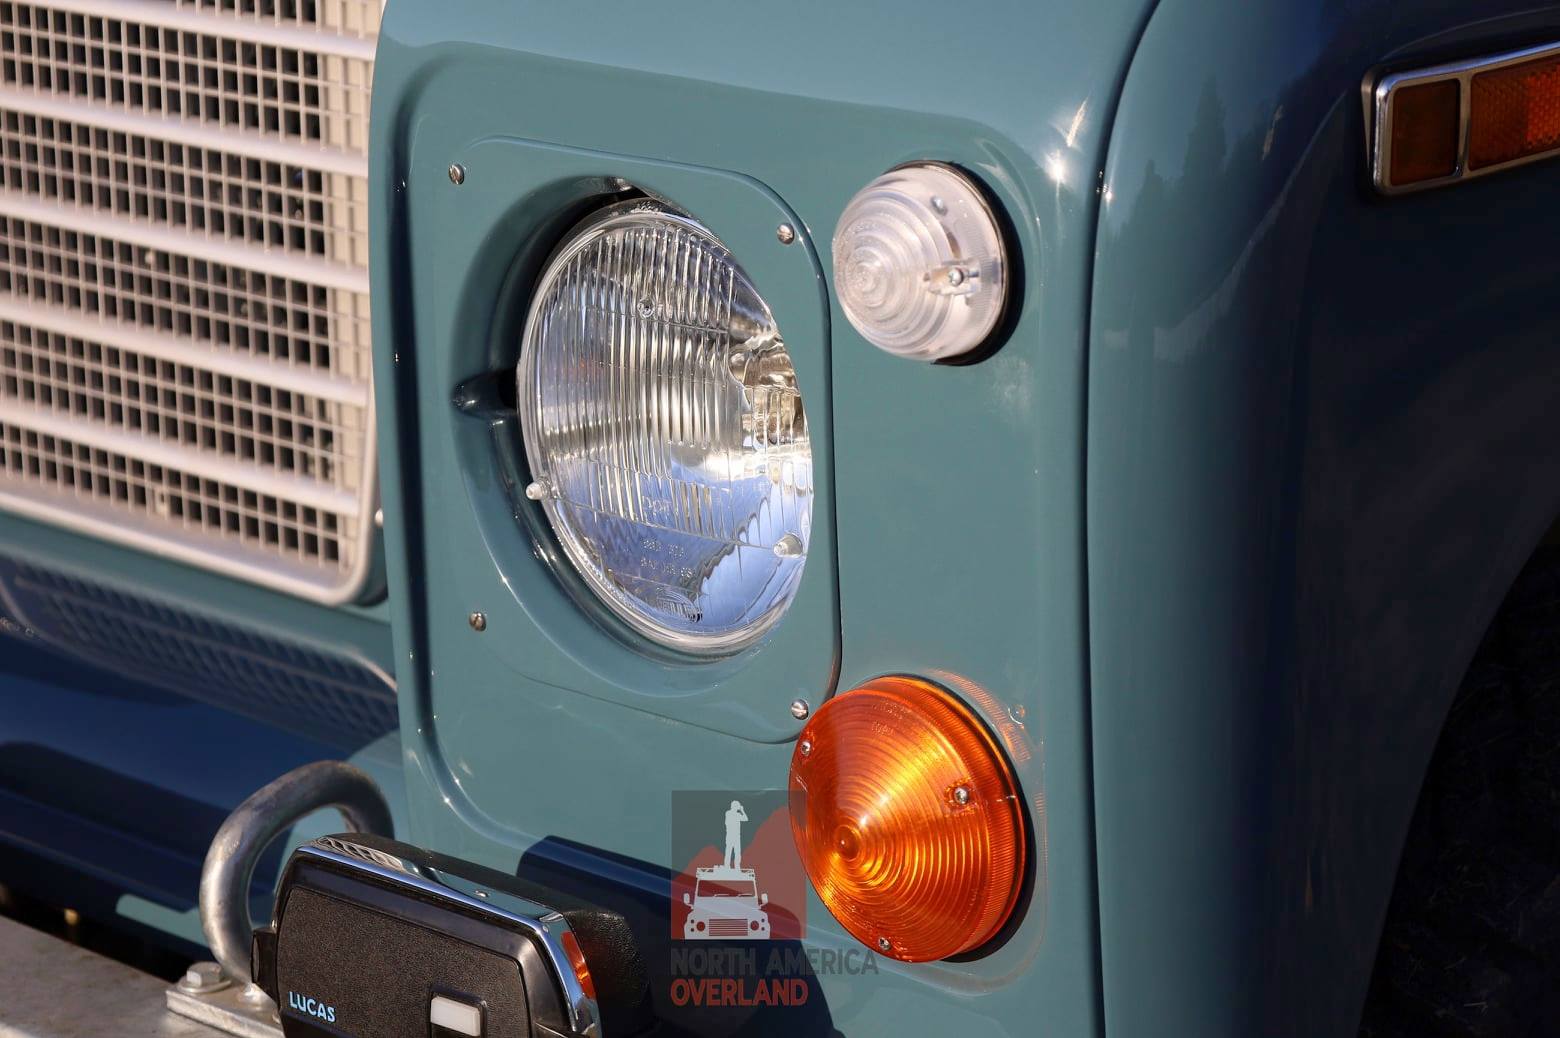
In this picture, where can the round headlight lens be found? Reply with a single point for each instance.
(919, 266)
(664, 430)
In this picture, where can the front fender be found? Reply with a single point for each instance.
(1321, 430)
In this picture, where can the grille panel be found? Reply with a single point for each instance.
(248, 199)
(728, 928)
(251, 82)
(184, 322)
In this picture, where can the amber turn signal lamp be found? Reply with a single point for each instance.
(908, 819)
(1426, 132)
(1514, 113)
(571, 948)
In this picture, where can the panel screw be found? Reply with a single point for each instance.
(457, 173)
(800, 709)
(255, 996)
(806, 747)
(536, 491)
(202, 978)
(883, 944)
(478, 621)
(786, 233)
(961, 795)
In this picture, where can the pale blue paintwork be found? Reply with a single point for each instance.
(1322, 430)
(512, 736)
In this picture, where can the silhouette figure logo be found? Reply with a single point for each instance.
(724, 894)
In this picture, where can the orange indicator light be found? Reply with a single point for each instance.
(908, 819)
(1426, 131)
(571, 948)
(1514, 113)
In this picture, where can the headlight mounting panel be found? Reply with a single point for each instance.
(491, 547)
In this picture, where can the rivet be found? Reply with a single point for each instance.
(478, 621)
(800, 709)
(457, 173)
(786, 233)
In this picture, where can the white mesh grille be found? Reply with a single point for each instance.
(184, 336)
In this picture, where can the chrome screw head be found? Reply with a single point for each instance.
(800, 709)
(961, 795)
(478, 621)
(883, 944)
(806, 747)
(785, 233)
(536, 491)
(457, 173)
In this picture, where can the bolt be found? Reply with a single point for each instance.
(203, 978)
(806, 747)
(457, 173)
(255, 997)
(786, 233)
(800, 709)
(961, 795)
(478, 621)
(883, 944)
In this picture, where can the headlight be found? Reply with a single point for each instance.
(919, 265)
(665, 431)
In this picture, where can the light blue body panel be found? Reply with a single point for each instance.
(543, 741)
(1323, 432)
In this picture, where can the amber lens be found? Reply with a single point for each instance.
(908, 819)
(1426, 131)
(571, 948)
(1514, 112)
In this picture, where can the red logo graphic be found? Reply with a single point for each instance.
(742, 879)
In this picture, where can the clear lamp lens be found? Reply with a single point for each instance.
(918, 263)
(664, 430)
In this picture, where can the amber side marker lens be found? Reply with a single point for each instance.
(1514, 113)
(571, 948)
(1426, 132)
(908, 819)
